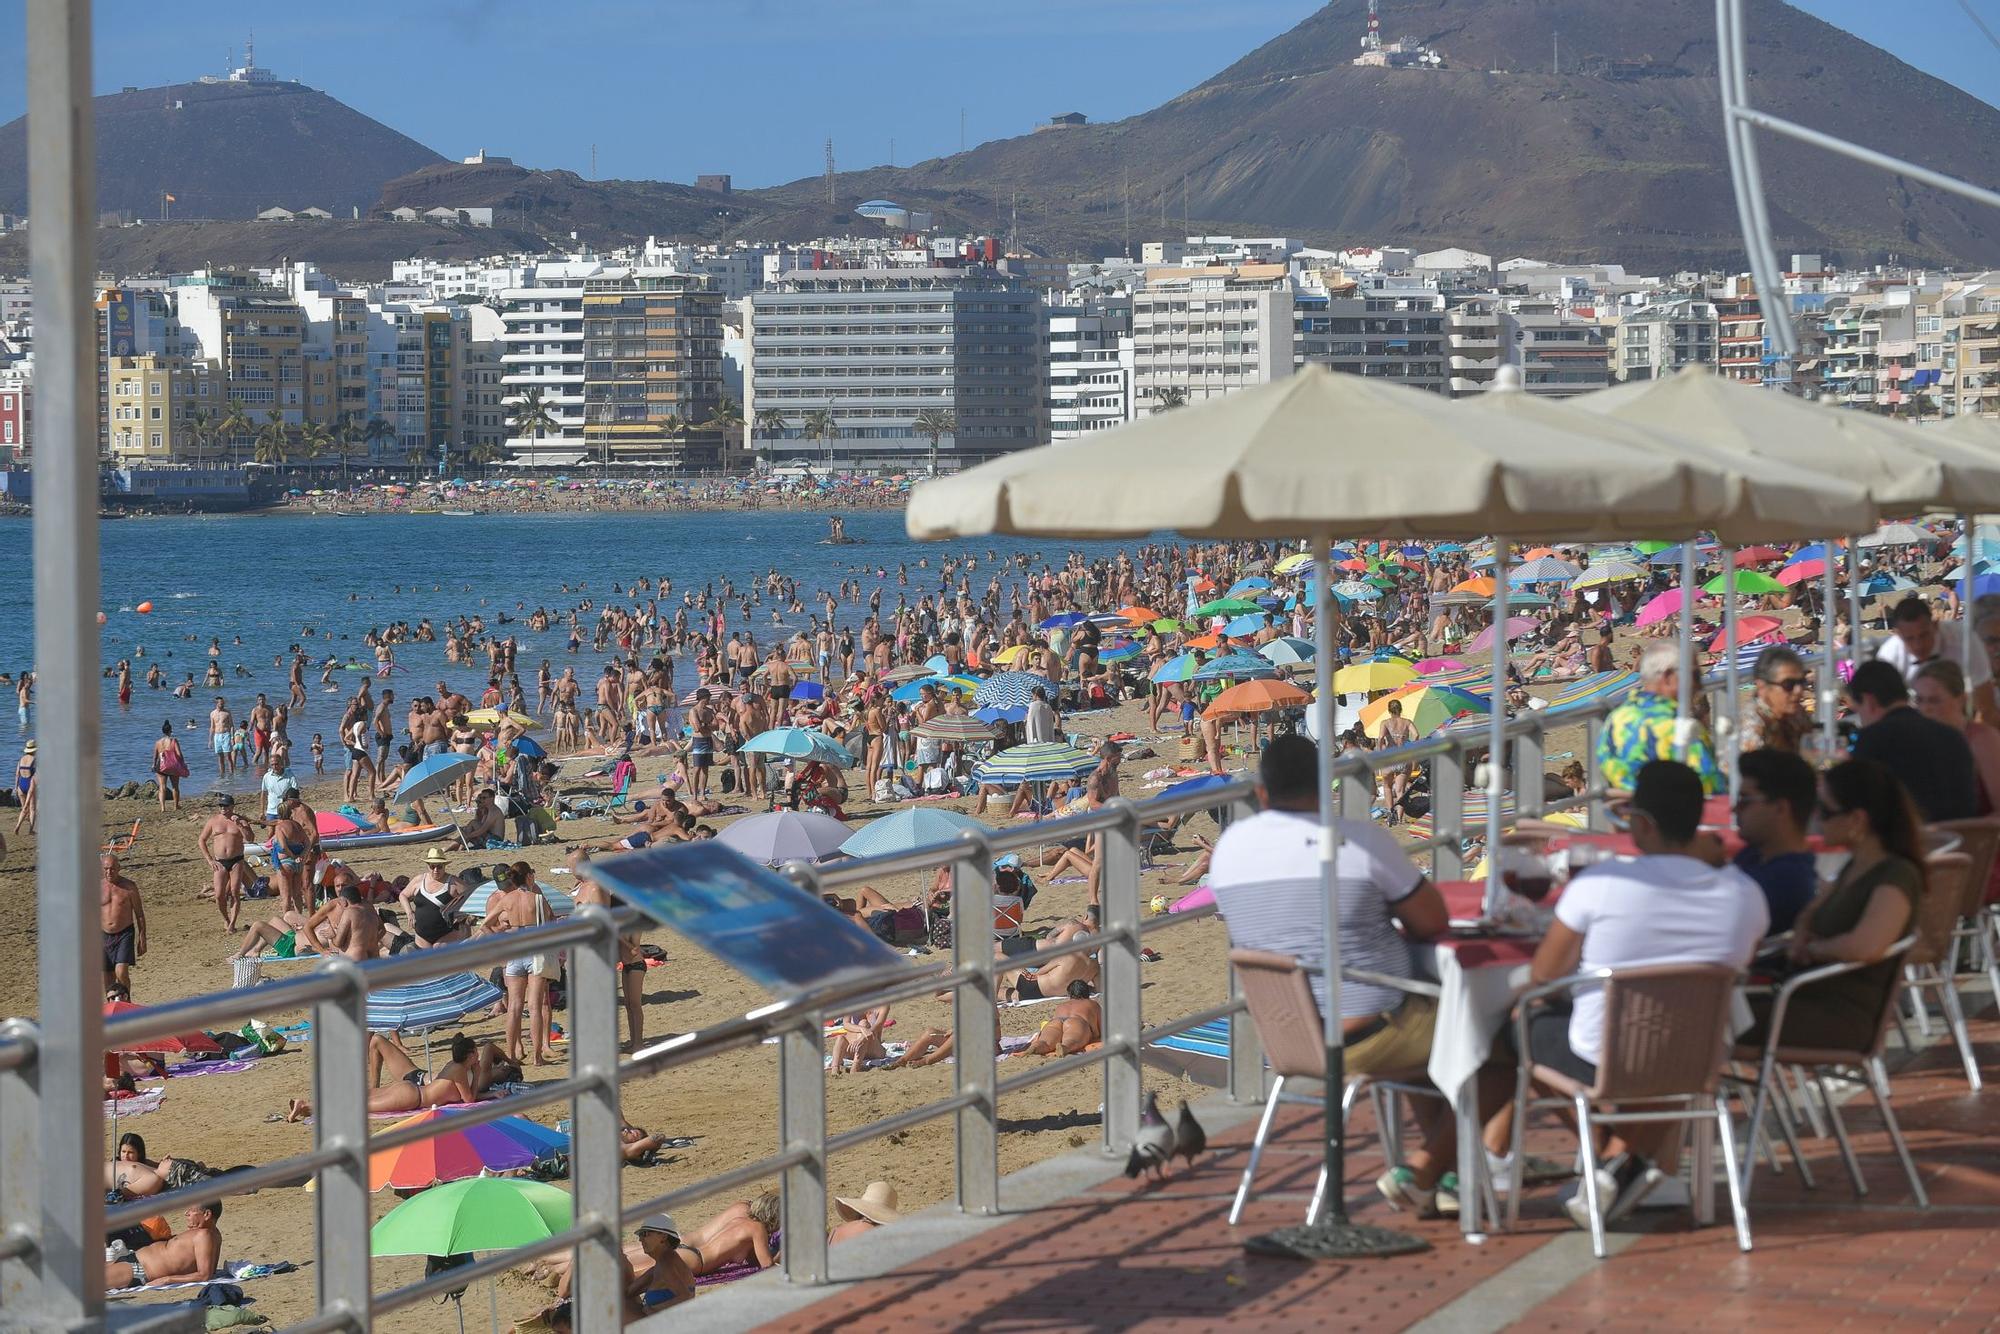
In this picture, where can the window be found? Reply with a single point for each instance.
(156, 440)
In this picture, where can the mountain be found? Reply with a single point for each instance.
(228, 150)
(1619, 155)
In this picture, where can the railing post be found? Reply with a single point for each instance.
(340, 1096)
(1246, 1049)
(1448, 815)
(1528, 762)
(802, 1125)
(977, 1025)
(20, 1175)
(596, 1149)
(1118, 893)
(1356, 792)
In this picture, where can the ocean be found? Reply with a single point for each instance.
(261, 579)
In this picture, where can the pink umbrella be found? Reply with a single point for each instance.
(332, 824)
(1429, 665)
(1804, 570)
(1516, 627)
(1659, 608)
(1748, 630)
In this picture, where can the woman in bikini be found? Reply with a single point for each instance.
(858, 1040)
(409, 1089)
(741, 1234)
(290, 848)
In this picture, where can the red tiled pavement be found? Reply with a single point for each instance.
(1127, 1255)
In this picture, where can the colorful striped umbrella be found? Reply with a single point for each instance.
(954, 727)
(1180, 667)
(1589, 689)
(1609, 572)
(1120, 652)
(453, 1154)
(1010, 689)
(1428, 708)
(1038, 762)
(560, 903)
(1294, 563)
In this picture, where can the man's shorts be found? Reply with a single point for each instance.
(220, 740)
(1402, 1045)
(120, 947)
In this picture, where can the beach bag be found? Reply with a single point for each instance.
(728, 781)
(174, 766)
(267, 1040)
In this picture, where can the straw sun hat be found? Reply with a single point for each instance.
(435, 857)
(877, 1204)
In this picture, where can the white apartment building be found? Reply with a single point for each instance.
(1657, 340)
(1201, 333)
(1561, 352)
(1379, 327)
(1472, 345)
(541, 339)
(1089, 367)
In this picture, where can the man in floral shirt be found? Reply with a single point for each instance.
(1643, 728)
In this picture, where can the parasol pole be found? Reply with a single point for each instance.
(1970, 523)
(1732, 671)
(1684, 707)
(1829, 680)
(1496, 732)
(1328, 1234)
(1853, 604)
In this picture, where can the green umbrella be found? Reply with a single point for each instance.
(1650, 548)
(476, 1214)
(1747, 581)
(1228, 607)
(1166, 624)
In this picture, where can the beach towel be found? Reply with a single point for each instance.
(192, 1068)
(736, 1269)
(1202, 897)
(136, 1105)
(230, 1271)
(894, 1050)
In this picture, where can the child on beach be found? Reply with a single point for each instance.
(318, 754)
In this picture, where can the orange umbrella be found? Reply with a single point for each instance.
(1203, 583)
(1211, 640)
(1256, 697)
(1538, 553)
(1139, 615)
(1482, 585)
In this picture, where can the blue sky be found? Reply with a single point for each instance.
(754, 87)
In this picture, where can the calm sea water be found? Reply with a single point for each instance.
(263, 578)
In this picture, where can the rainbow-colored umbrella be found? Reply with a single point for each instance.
(1428, 708)
(453, 1154)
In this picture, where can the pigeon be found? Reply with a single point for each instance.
(1189, 1138)
(1153, 1147)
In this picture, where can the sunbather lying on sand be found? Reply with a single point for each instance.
(1078, 1023)
(471, 1070)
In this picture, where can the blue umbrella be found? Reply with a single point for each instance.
(1817, 551)
(1120, 652)
(1229, 665)
(1180, 667)
(1287, 651)
(434, 775)
(1447, 548)
(1243, 625)
(993, 715)
(1672, 555)
(1039, 762)
(1012, 689)
(1063, 620)
(1200, 784)
(1356, 590)
(808, 690)
(784, 836)
(1413, 551)
(1985, 584)
(1883, 582)
(800, 743)
(527, 745)
(1251, 584)
(938, 665)
(560, 903)
(911, 828)
(432, 1004)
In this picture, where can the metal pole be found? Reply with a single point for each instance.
(1829, 679)
(1448, 814)
(1335, 1208)
(596, 1157)
(802, 1125)
(1118, 885)
(1684, 707)
(340, 1087)
(1246, 1050)
(1496, 746)
(69, 1070)
(1732, 674)
(1853, 602)
(1970, 522)
(977, 1024)
(20, 1179)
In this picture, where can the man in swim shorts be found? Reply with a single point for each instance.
(221, 844)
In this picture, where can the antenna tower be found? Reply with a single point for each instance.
(1373, 41)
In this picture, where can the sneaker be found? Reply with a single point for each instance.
(1399, 1187)
(1446, 1200)
(1621, 1185)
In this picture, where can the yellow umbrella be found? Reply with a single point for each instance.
(1007, 657)
(1369, 677)
(1293, 564)
(495, 717)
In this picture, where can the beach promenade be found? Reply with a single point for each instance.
(1119, 1255)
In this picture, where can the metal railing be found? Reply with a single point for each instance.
(336, 994)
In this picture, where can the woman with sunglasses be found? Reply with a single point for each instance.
(1779, 691)
(1939, 694)
(1868, 907)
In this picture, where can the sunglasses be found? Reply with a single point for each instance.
(1789, 683)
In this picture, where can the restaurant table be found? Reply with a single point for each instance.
(1478, 977)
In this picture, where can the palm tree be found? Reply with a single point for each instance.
(377, 432)
(314, 441)
(1166, 400)
(413, 459)
(771, 421)
(672, 428)
(235, 424)
(347, 435)
(273, 437)
(199, 427)
(531, 417)
(727, 417)
(936, 423)
(820, 427)
(482, 454)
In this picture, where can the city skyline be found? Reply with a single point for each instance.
(872, 81)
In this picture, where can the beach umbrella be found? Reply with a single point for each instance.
(1227, 607)
(453, 1154)
(527, 745)
(807, 690)
(1958, 572)
(1659, 607)
(1287, 651)
(784, 836)
(1757, 556)
(1122, 652)
(332, 824)
(910, 672)
(1748, 630)
(1753, 582)
(1481, 586)
(1292, 564)
(1207, 641)
(1608, 572)
(1250, 585)
(1516, 627)
(1063, 620)
(1812, 551)
(800, 743)
(1543, 570)
(1881, 583)
(432, 1004)
(1895, 535)
(1256, 697)
(1166, 625)
(1356, 590)
(495, 717)
(559, 901)
(1671, 555)
(1010, 689)
(1243, 627)
(1038, 762)
(1986, 533)
(1428, 707)
(434, 775)
(1007, 657)
(1651, 547)
(910, 828)
(1368, 677)
(999, 715)
(1139, 615)
(1800, 572)
(1198, 784)
(954, 727)
(476, 1214)
(1232, 665)
(1180, 667)
(1431, 666)
(170, 1045)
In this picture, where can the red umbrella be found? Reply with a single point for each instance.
(332, 824)
(1804, 570)
(1757, 556)
(1748, 631)
(173, 1043)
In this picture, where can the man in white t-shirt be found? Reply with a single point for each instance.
(1918, 638)
(1265, 873)
(1670, 904)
